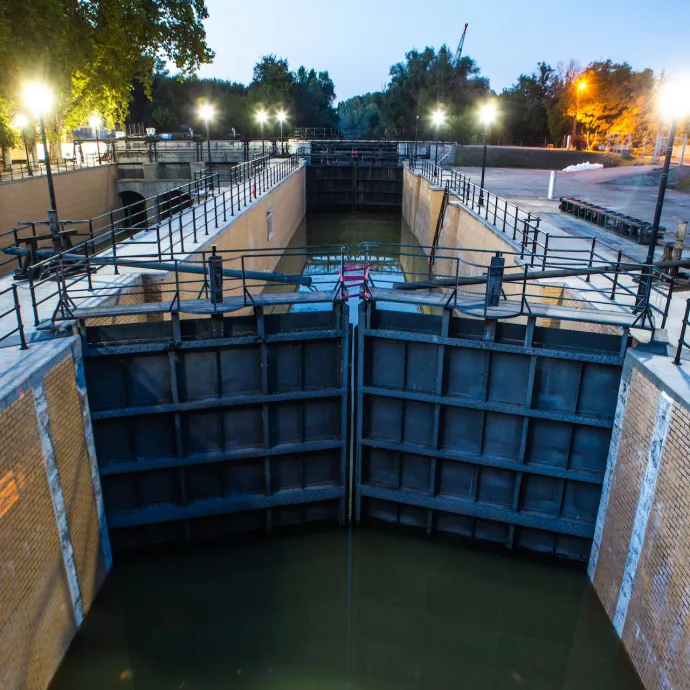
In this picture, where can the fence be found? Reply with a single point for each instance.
(21, 171)
(540, 248)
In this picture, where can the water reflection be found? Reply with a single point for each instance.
(338, 610)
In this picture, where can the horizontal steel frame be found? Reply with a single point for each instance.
(537, 463)
(184, 455)
(223, 506)
(459, 507)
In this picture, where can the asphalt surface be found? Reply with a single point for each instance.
(624, 189)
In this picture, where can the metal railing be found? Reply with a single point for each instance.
(13, 312)
(681, 341)
(22, 171)
(179, 228)
(540, 248)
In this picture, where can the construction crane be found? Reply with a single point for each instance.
(441, 89)
(458, 52)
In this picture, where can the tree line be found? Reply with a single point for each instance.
(304, 95)
(608, 98)
(110, 58)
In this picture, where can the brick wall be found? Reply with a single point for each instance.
(640, 564)
(53, 554)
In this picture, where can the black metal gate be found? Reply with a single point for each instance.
(502, 441)
(205, 427)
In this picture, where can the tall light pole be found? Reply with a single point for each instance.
(581, 86)
(438, 117)
(206, 111)
(20, 122)
(95, 122)
(674, 103)
(281, 118)
(262, 118)
(39, 99)
(487, 114)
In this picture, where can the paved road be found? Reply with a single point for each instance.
(611, 187)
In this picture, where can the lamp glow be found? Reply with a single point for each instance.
(21, 121)
(95, 121)
(488, 113)
(674, 99)
(282, 116)
(262, 117)
(438, 117)
(582, 85)
(38, 98)
(206, 112)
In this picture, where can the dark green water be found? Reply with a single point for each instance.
(345, 610)
(333, 610)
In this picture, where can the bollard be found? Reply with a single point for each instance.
(215, 271)
(552, 185)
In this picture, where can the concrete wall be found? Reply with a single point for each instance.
(54, 551)
(518, 157)
(640, 562)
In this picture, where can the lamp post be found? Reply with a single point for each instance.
(674, 102)
(438, 118)
(581, 86)
(487, 114)
(262, 118)
(38, 99)
(206, 111)
(281, 118)
(95, 122)
(416, 127)
(20, 122)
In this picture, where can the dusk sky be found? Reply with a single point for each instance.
(358, 40)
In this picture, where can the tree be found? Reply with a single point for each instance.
(417, 86)
(91, 52)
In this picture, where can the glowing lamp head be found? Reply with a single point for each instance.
(281, 115)
(95, 121)
(206, 111)
(262, 117)
(21, 121)
(438, 117)
(38, 98)
(582, 86)
(488, 113)
(674, 100)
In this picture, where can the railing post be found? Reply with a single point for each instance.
(194, 222)
(215, 210)
(615, 275)
(681, 341)
(20, 325)
(591, 258)
(181, 232)
(206, 215)
(546, 251)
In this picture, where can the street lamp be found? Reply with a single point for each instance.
(674, 104)
(282, 116)
(39, 99)
(438, 117)
(487, 115)
(581, 86)
(20, 122)
(95, 123)
(206, 111)
(262, 119)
